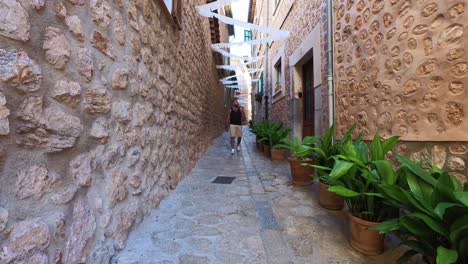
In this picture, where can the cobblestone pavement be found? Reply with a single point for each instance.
(258, 218)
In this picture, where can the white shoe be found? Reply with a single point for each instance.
(233, 151)
(238, 148)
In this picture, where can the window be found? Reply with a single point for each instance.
(260, 85)
(247, 35)
(174, 7)
(278, 77)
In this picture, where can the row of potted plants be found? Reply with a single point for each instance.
(425, 206)
(268, 136)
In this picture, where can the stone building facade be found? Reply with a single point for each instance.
(307, 23)
(400, 68)
(105, 105)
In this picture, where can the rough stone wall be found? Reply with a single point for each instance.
(104, 106)
(401, 69)
(300, 20)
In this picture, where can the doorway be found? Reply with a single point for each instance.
(308, 121)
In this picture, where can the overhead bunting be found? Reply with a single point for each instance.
(272, 35)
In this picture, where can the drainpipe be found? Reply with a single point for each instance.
(331, 70)
(266, 61)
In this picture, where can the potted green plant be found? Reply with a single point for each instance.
(261, 135)
(254, 129)
(275, 138)
(324, 151)
(269, 131)
(435, 218)
(300, 158)
(356, 175)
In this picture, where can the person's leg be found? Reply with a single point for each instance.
(233, 135)
(239, 136)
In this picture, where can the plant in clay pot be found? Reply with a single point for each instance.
(276, 137)
(356, 175)
(270, 131)
(260, 130)
(300, 158)
(435, 218)
(324, 151)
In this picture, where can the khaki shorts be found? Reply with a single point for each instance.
(236, 131)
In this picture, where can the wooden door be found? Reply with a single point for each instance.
(308, 99)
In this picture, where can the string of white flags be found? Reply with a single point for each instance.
(270, 33)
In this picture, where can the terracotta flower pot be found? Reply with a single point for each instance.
(262, 146)
(301, 175)
(278, 154)
(257, 144)
(368, 242)
(329, 200)
(266, 150)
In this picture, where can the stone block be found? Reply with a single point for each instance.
(19, 71)
(82, 231)
(34, 182)
(57, 48)
(97, 100)
(67, 92)
(14, 21)
(25, 237)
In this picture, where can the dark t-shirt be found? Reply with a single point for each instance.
(236, 117)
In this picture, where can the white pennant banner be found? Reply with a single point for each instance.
(273, 35)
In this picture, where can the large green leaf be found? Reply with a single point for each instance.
(421, 246)
(355, 160)
(444, 187)
(362, 151)
(377, 152)
(350, 150)
(387, 226)
(417, 169)
(340, 169)
(303, 151)
(413, 184)
(347, 136)
(320, 151)
(322, 168)
(441, 207)
(343, 191)
(389, 143)
(310, 140)
(458, 228)
(385, 170)
(395, 193)
(434, 224)
(462, 197)
(416, 227)
(446, 256)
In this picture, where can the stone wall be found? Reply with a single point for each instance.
(105, 105)
(401, 69)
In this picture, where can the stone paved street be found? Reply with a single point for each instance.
(259, 218)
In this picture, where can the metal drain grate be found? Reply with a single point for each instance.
(223, 180)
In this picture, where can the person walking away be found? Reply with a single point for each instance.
(234, 121)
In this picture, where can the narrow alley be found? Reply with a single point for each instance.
(353, 116)
(258, 218)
